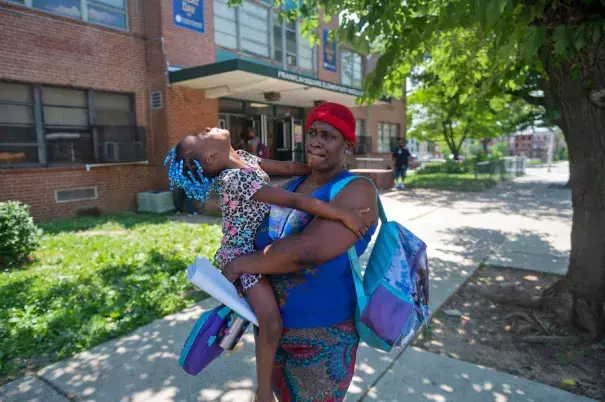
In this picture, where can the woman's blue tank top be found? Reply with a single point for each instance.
(318, 296)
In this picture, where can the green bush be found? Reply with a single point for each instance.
(499, 150)
(19, 236)
(562, 153)
(449, 167)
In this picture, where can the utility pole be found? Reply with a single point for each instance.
(551, 142)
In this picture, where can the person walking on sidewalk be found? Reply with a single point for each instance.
(401, 160)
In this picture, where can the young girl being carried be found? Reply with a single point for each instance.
(206, 161)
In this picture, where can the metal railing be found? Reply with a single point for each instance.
(505, 168)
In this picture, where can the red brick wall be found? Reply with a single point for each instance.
(37, 47)
(187, 111)
(186, 48)
(116, 188)
(391, 113)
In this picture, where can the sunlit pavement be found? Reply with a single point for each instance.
(522, 224)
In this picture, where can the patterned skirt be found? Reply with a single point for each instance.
(315, 364)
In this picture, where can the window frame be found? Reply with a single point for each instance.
(235, 20)
(272, 23)
(380, 143)
(41, 127)
(84, 4)
(239, 23)
(36, 115)
(352, 55)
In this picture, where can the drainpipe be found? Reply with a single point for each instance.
(163, 47)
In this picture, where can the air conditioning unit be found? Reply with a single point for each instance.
(156, 202)
(123, 151)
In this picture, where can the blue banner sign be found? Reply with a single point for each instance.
(329, 52)
(189, 14)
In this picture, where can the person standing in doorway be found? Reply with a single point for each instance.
(401, 160)
(255, 145)
(253, 141)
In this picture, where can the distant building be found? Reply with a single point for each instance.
(534, 144)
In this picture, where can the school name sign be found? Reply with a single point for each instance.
(314, 82)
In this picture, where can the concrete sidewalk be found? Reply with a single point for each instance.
(508, 225)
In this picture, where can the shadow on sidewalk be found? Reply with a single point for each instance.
(533, 199)
(143, 366)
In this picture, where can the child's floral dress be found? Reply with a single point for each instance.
(242, 215)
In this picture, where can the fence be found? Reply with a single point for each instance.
(505, 168)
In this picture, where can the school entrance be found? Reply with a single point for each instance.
(271, 100)
(280, 128)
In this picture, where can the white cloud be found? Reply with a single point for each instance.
(102, 16)
(72, 11)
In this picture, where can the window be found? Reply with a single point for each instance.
(359, 128)
(111, 13)
(111, 109)
(108, 12)
(66, 125)
(254, 28)
(18, 138)
(305, 52)
(291, 44)
(388, 135)
(364, 143)
(225, 26)
(351, 69)
(73, 126)
(278, 38)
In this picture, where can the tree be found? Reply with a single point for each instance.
(454, 111)
(556, 46)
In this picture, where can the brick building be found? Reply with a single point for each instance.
(535, 144)
(93, 93)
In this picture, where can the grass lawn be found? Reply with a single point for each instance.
(534, 162)
(453, 182)
(94, 279)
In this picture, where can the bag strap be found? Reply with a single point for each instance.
(339, 185)
(352, 252)
(224, 312)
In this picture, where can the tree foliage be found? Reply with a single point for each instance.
(453, 110)
(514, 33)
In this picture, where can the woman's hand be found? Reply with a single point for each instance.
(353, 219)
(230, 271)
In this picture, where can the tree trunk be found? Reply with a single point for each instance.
(583, 124)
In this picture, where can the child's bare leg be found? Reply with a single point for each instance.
(262, 300)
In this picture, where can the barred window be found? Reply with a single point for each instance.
(55, 125)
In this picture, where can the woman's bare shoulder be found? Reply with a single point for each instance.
(359, 193)
(358, 188)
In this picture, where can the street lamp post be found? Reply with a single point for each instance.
(551, 142)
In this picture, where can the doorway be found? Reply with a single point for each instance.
(280, 128)
(289, 141)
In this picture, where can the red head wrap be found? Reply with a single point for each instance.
(338, 116)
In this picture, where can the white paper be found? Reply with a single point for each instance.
(205, 276)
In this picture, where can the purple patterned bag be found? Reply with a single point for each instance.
(202, 346)
(391, 304)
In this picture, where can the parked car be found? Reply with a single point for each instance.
(414, 162)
